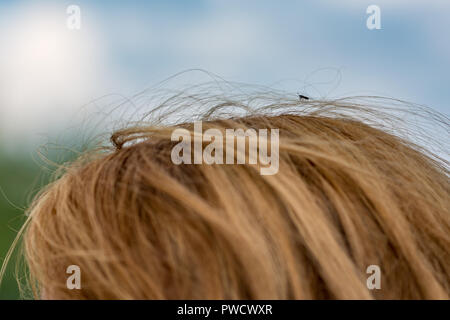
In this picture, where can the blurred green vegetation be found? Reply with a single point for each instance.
(22, 175)
(19, 180)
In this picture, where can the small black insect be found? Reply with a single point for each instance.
(302, 97)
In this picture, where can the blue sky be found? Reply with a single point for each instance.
(320, 48)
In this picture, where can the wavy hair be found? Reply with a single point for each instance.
(349, 193)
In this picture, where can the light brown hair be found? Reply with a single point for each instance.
(347, 195)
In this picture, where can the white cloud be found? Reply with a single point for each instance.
(46, 69)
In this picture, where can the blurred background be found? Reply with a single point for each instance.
(61, 65)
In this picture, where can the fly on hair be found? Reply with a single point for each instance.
(302, 97)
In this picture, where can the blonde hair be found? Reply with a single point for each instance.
(347, 195)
